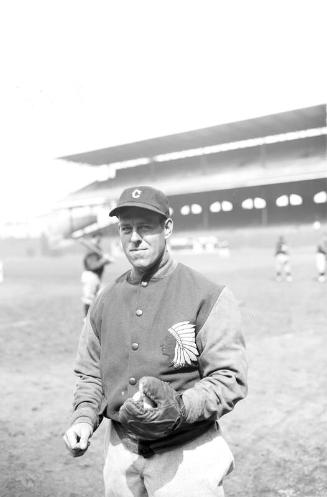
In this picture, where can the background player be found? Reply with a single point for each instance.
(282, 260)
(321, 256)
(94, 264)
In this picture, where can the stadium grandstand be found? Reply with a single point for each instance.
(263, 171)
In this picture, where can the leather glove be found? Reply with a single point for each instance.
(157, 422)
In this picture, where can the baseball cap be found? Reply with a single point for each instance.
(144, 197)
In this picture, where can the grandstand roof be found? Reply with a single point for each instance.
(284, 122)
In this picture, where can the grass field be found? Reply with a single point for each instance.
(278, 434)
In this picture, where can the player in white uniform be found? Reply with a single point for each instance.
(321, 257)
(94, 265)
(282, 260)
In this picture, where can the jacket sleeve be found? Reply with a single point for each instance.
(88, 402)
(222, 363)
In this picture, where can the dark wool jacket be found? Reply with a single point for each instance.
(177, 326)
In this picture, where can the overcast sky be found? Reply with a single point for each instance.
(80, 75)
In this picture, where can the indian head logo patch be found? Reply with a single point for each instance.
(185, 351)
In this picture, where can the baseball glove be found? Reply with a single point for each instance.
(157, 422)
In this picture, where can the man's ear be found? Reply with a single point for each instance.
(168, 227)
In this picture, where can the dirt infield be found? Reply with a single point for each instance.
(278, 434)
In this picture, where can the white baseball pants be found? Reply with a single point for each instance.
(195, 469)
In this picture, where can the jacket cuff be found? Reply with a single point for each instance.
(83, 419)
(85, 414)
(193, 402)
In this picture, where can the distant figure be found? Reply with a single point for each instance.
(94, 264)
(321, 257)
(282, 260)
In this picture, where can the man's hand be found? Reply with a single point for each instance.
(77, 438)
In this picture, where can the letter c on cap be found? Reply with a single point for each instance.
(136, 193)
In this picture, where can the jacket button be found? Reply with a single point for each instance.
(144, 283)
(132, 381)
(135, 346)
(139, 312)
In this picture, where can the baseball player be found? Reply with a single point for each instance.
(321, 257)
(94, 264)
(162, 357)
(282, 260)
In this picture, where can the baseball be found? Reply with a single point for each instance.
(147, 403)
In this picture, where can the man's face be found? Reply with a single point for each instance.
(143, 235)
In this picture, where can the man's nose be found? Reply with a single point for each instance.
(135, 236)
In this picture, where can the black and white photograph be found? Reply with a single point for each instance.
(163, 248)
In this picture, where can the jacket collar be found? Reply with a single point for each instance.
(165, 266)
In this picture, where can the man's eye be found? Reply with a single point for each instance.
(125, 229)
